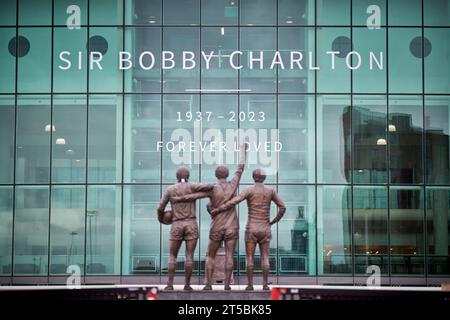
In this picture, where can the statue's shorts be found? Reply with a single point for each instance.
(258, 233)
(219, 234)
(184, 230)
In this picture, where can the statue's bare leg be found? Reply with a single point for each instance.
(250, 247)
(230, 246)
(213, 246)
(264, 248)
(174, 247)
(189, 263)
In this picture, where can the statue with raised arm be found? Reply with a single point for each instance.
(259, 198)
(183, 222)
(224, 226)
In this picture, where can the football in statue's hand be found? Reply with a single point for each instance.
(166, 218)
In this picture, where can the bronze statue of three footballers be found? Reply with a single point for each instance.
(224, 223)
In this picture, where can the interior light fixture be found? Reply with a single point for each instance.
(392, 128)
(61, 141)
(47, 128)
(381, 142)
(222, 31)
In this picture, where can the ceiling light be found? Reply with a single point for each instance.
(289, 21)
(151, 21)
(381, 142)
(61, 141)
(392, 128)
(222, 31)
(70, 152)
(47, 128)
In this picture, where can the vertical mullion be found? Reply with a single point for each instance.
(161, 102)
(315, 145)
(123, 147)
(423, 149)
(388, 151)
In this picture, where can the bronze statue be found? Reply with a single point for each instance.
(224, 226)
(259, 198)
(183, 223)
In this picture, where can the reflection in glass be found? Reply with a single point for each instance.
(137, 79)
(437, 221)
(141, 230)
(103, 230)
(181, 12)
(178, 40)
(333, 12)
(105, 12)
(72, 79)
(333, 139)
(370, 130)
(105, 138)
(141, 134)
(407, 230)
(220, 12)
(31, 231)
(437, 64)
(370, 228)
(405, 69)
(8, 61)
(143, 12)
(6, 228)
(437, 126)
(296, 134)
(296, 12)
(33, 139)
(7, 139)
(222, 41)
(35, 77)
(69, 123)
(257, 12)
(405, 142)
(334, 230)
(296, 231)
(67, 228)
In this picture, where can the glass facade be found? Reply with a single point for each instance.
(364, 168)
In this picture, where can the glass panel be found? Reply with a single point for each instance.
(334, 230)
(261, 131)
(219, 123)
(438, 220)
(405, 12)
(333, 139)
(222, 42)
(105, 138)
(8, 61)
(370, 229)
(103, 230)
(107, 41)
(243, 218)
(333, 12)
(180, 124)
(7, 139)
(370, 139)
(142, 133)
(360, 15)
(31, 231)
(139, 78)
(141, 235)
(296, 12)
(178, 40)
(256, 74)
(29, 8)
(8, 13)
(437, 12)
(371, 75)
(406, 114)
(33, 139)
(405, 60)
(103, 12)
(6, 228)
(297, 232)
(143, 12)
(69, 121)
(67, 228)
(437, 126)
(406, 228)
(437, 64)
(331, 80)
(32, 76)
(258, 12)
(296, 134)
(181, 12)
(68, 44)
(220, 12)
(61, 17)
(290, 77)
